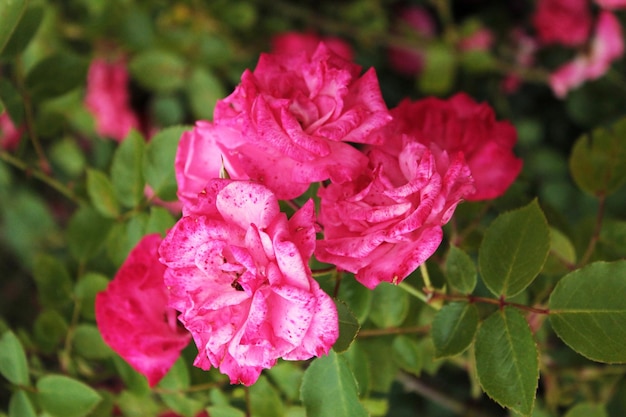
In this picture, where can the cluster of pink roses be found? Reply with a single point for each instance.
(237, 268)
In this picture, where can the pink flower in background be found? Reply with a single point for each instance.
(107, 98)
(10, 135)
(294, 42)
(606, 46)
(460, 124)
(611, 4)
(133, 316)
(525, 49)
(295, 113)
(565, 22)
(238, 273)
(481, 40)
(387, 222)
(410, 61)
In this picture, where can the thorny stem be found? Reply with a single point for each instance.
(596, 231)
(248, 406)
(433, 295)
(425, 276)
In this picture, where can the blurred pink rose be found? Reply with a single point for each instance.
(295, 113)
(10, 135)
(611, 4)
(410, 61)
(238, 273)
(525, 47)
(607, 45)
(565, 22)
(133, 316)
(460, 124)
(294, 42)
(387, 222)
(480, 40)
(107, 98)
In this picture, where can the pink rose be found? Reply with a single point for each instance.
(565, 22)
(238, 273)
(294, 42)
(606, 46)
(525, 47)
(479, 40)
(107, 98)
(460, 124)
(133, 316)
(387, 222)
(418, 21)
(10, 135)
(295, 113)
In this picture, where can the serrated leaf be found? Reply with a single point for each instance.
(348, 327)
(54, 284)
(127, 170)
(20, 405)
(407, 354)
(506, 360)
(587, 311)
(85, 232)
(460, 271)
(514, 249)
(101, 193)
(329, 389)
(158, 70)
(587, 410)
(55, 75)
(158, 163)
(390, 305)
(264, 400)
(597, 160)
(13, 363)
(61, 396)
(11, 12)
(453, 328)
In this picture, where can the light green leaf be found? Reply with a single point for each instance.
(288, 377)
(89, 344)
(348, 327)
(159, 221)
(506, 360)
(86, 231)
(54, 285)
(390, 305)
(159, 71)
(24, 31)
(204, 89)
(224, 411)
(514, 249)
(61, 396)
(49, 330)
(158, 163)
(407, 354)
(13, 363)
(360, 367)
(264, 400)
(587, 410)
(127, 170)
(460, 271)
(101, 193)
(453, 328)
(68, 155)
(597, 160)
(329, 389)
(439, 70)
(85, 292)
(11, 12)
(587, 311)
(177, 379)
(20, 405)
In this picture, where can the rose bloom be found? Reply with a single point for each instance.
(10, 135)
(565, 22)
(410, 61)
(607, 45)
(294, 42)
(133, 316)
(107, 98)
(295, 113)
(238, 272)
(460, 124)
(387, 222)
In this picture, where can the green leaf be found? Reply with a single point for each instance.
(69, 157)
(158, 163)
(136, 383)
(407, 354)
(204, 89)
(329, 389)
(177, 380)
(357, 296)
(85, 292)
(101, 193)
(506, 360)
(224, 411)
(85, 233)
(24, 31)
(597, 160)
(127, 170)
(13, 363)
(514, 249)
(159, 71)
(390, 305)
(89, 344)
(55, 75)
(12, 101)
(460, 271)
(159, 221)
(348, 327)
(20, 405)
(49, 330)
(360, 366)
(453, 328)
(439, 70)
(288, 377)
(11, 12)
(587, 410)
(587, 311)
(54, 284)
(61, 396)
(264, 400)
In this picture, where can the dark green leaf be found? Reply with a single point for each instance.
(587, 311)
(204, 89)
(55, 75)
(506, 360)
(453, 328)
(13, 364)
(383, 368)
(348, 327)
(288, 377)
(127, 170)
(587, 410)
(158, 165)
(20, 405)
(24, 31)
(360, 366)
(224, 411)
(158, 70)
(133, 380)
(69, 157)
(89, 344)
(12, 101)
(85, 233)
(514, 249)
(264, 400)
(407, 353)
(101, 193)
(329, 389)
(177, 379)
(54, 284)
(49, 330)
(61, 396)
(11, 12)
(460, 271)
(390, 305)
(357, 296)
(85, 292)
(597, 160)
